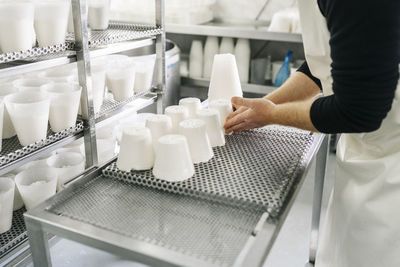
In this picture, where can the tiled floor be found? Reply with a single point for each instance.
(290, 249)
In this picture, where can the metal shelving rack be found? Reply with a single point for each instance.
(79, 47)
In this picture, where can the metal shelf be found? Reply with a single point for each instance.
(246, 87)
(13, 155)
(158, 227)
(15, 236)
(225, 29)
(111, 107)
(117, 38)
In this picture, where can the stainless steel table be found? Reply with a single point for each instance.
(228, 214)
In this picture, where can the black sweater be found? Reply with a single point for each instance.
(365, 52)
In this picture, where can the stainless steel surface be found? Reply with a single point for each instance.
(158, 227)
(13, 155)
(160, 55)
(235, 31)
(35, 52)
(39, 245)
(255, 168)
(111, 107)
(317, 201)
(118, 32)
(208, 231)
(246, 87)
(79, 12)
(15, 236)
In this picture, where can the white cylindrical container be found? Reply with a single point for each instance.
(224, 108)
(7, 188)
(77, 146)
(8, 128)
(196, 60)
(99, 14)
(159, 125)
(36, 185)
(29, 112)
(144, 75)
(199, 144)
(18, 203)
(192, 104)
(227, 46)
(213, 126)
(98, 85)
(136, 151)
(68, 166)
(177, 115)
(59, 75)
(51, 21)
(16, 24)
(65, 99)
(211, 48)
(31, 84)
(225, 81)
(173, 162)
(243, 54)
(121, 79)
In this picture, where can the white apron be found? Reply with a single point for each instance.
(362, 226)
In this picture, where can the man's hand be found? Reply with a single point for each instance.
(249, 114)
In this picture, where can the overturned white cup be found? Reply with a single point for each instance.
(177, 115)
(213, 126)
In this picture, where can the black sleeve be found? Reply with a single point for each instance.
(306, 70)
(365, 50)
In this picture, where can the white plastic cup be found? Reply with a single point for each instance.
(7, 189)
(8, 128)
(64, 105)
(29, 113)
(199, 144)
(136, 151)
(70, 27)
(16, 24)
(144, 75)
(59, 75)
(211, 48)
(177, 115)
(213, 126)
(98, 85)
(192, 104)
(173, 162)
(36, 185)
(243, 55)
(227, 46)
(18, 203)
(77, 146)
(31, 84)
(99, 14)
(51, 21)
(224, 108)
(121, 80)
(225, 81)
(68, 166)
(196, 60)
(159, 125)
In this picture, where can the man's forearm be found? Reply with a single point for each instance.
(294, 114)
(298, 87)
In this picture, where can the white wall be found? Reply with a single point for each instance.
(248, 9)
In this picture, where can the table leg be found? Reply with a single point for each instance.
(39, 244)
(317, 201)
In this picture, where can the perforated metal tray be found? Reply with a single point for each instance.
(117, 32)
(16, 235)
(205, 230)
(254, 169)
(12, 150)
(111, 105)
